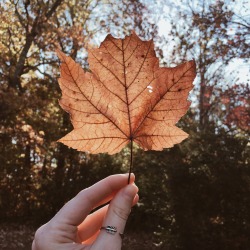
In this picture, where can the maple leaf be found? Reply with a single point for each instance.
(125, 98)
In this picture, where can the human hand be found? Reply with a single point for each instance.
(73, 228)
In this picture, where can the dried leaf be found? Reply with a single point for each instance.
(126, 97)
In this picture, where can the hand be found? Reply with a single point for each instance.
(73, 228)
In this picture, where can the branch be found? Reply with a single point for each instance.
(242, 24)
(41, 63)
(15, 80)
(53, 8)
(45, 74)
(20, 18)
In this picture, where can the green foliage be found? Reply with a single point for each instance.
(196, 194)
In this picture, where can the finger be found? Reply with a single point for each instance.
(92, 238)
(76, 210)
(117, 215)
(95, 235)
(92, 224)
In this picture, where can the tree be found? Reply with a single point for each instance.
(206, 31)
(196, 192)
(31, 120)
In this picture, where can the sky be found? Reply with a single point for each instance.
(237, 68)
(159, 13)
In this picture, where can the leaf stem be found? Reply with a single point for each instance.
(131, 160)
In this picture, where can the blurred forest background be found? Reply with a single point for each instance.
(195, 195)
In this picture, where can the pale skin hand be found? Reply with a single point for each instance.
(73, 228)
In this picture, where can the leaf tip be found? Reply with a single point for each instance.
(60, 54)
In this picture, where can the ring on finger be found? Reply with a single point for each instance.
(111, 230)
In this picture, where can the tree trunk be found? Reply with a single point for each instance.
(201, 100)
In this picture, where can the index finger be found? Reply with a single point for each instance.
(77, 209)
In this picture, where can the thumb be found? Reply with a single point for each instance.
(117, 215)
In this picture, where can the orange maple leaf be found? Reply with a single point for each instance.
(126, 98)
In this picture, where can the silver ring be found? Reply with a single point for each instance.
(112, 230)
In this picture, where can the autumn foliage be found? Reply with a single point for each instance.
(126, 97)
(194, 195)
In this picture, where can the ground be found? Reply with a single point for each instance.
(14, 236)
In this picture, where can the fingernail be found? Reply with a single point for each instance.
(132, 174)
(136, 199)
(132, 178)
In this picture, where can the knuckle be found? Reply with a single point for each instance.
(84, 195)
(40, 236)
(120, 212)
